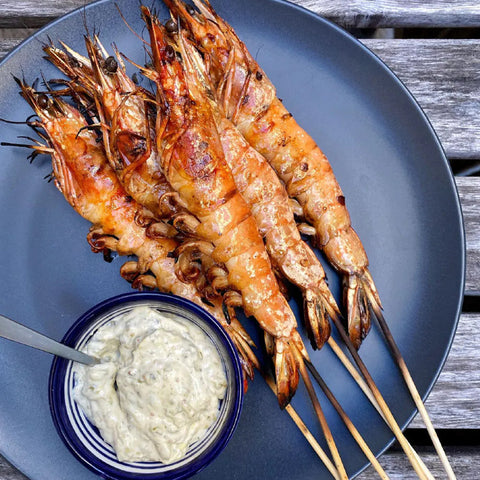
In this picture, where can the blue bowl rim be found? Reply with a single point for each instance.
(59, 366)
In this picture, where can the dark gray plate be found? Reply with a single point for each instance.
(399, 190)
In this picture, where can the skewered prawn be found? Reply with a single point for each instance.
(269, 202)
(194, 164)
(250, 102)
(84, 177)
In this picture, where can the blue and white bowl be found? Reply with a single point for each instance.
(83, 439)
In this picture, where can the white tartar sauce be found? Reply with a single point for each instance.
(157, 389)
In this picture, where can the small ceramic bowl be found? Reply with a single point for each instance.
(83, 439)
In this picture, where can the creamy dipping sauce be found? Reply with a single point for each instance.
(157, 389)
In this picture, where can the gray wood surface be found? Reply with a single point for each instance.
(469, 191)
(349, 13)
(443, 75)
(443, 78)
(11, 37)
(35, 13)
(465, 463)
(397, 13)
(454, 402)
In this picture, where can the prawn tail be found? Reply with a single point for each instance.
(361, 299)
(242, 341)
(286, 371)
(372, 294)
(288, 355)
(318, 308)
(243, 344)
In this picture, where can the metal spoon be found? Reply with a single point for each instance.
(19, 333)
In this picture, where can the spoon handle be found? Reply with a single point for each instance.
(19, 333)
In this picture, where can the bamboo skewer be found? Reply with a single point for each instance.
(299, 423)
(415, 395)
(366, 390)
(349, 424)
(305, 431)
(419, 467)
(308, 435)
(321, 417)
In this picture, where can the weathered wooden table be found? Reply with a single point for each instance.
(444, 76)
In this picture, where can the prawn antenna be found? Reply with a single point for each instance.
(93, 126)
(16, 122)
(38, 149)
(129, 27)
(85, 24)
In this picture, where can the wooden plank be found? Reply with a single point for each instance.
(465, 463)
(443, 76)
(8, 472)
(469, 191)
(397, 13)
(454, 402)
(35, 13)
(348, 13)
(11, 37)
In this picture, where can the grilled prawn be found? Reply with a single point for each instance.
(88, 183)
(194, 164)
(249, 100)
(269, 202)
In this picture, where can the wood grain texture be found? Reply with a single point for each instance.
(397, 13)
(469, 191)
(35, 13)
(348, 13)
(443, 75)
(9, 472)
(465, 463)
(11, 37)
(454, 402)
